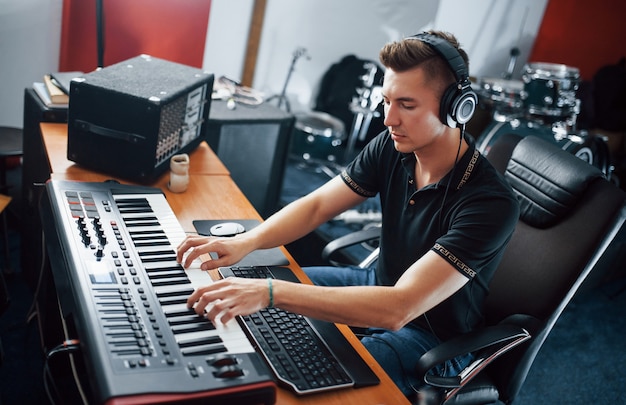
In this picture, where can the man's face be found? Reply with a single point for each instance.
(411, 110)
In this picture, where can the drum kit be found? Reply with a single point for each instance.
(323, 142)
(543, 104)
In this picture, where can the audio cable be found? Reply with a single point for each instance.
(68, 346)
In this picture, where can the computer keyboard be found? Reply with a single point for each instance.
(306, 355)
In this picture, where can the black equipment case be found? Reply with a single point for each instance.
(130, 118)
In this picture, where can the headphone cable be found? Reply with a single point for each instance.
(445, 195)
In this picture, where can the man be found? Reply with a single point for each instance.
(447, 216)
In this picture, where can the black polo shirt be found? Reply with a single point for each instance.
(478, 217)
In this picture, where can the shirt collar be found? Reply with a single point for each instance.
(462, 171)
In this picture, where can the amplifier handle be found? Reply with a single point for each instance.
(108, 132)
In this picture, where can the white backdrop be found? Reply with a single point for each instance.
(331, 29)
(30, 37)
(328, 29)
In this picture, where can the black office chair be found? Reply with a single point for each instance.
(572, 221)
(366, 235)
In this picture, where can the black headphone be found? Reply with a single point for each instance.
(458, 102)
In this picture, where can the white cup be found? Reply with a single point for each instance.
(179, 173)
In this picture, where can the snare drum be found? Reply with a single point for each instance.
(317, 136)
(503, 96)
(592, 149)
(550, 89)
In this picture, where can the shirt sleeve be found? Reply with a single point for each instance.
(362, 174)
(479, 229)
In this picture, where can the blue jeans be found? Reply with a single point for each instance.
(388, 347)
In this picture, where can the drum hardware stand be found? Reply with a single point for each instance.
(364, 107)
(512, 61)
(515, 52)
(282, 97)
(331, 169)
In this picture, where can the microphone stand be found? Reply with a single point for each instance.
(100, 32)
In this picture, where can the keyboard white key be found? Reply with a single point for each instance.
(231, 334)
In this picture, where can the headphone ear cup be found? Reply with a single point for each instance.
(457, 106)
(464, 107)
(446, 107)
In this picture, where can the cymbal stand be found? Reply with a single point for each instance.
(512, 61)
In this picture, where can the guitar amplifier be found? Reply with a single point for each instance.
(130, 118)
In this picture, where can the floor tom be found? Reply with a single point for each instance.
(550, 89)
(317, 136)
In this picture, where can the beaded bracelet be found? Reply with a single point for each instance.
(271, 291)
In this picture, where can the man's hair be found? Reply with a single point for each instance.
(409, 53)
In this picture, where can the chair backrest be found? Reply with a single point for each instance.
(570, 215)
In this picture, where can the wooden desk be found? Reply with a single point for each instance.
(202, 160)
(213, 195)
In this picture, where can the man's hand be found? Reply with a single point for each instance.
(227, 298)
(229, 251)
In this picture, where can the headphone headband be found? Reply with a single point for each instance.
(448, 52)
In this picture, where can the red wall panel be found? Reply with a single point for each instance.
(583, 34)
(174, 30)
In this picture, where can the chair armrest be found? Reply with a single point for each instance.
(350, 239)
(487, 344)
